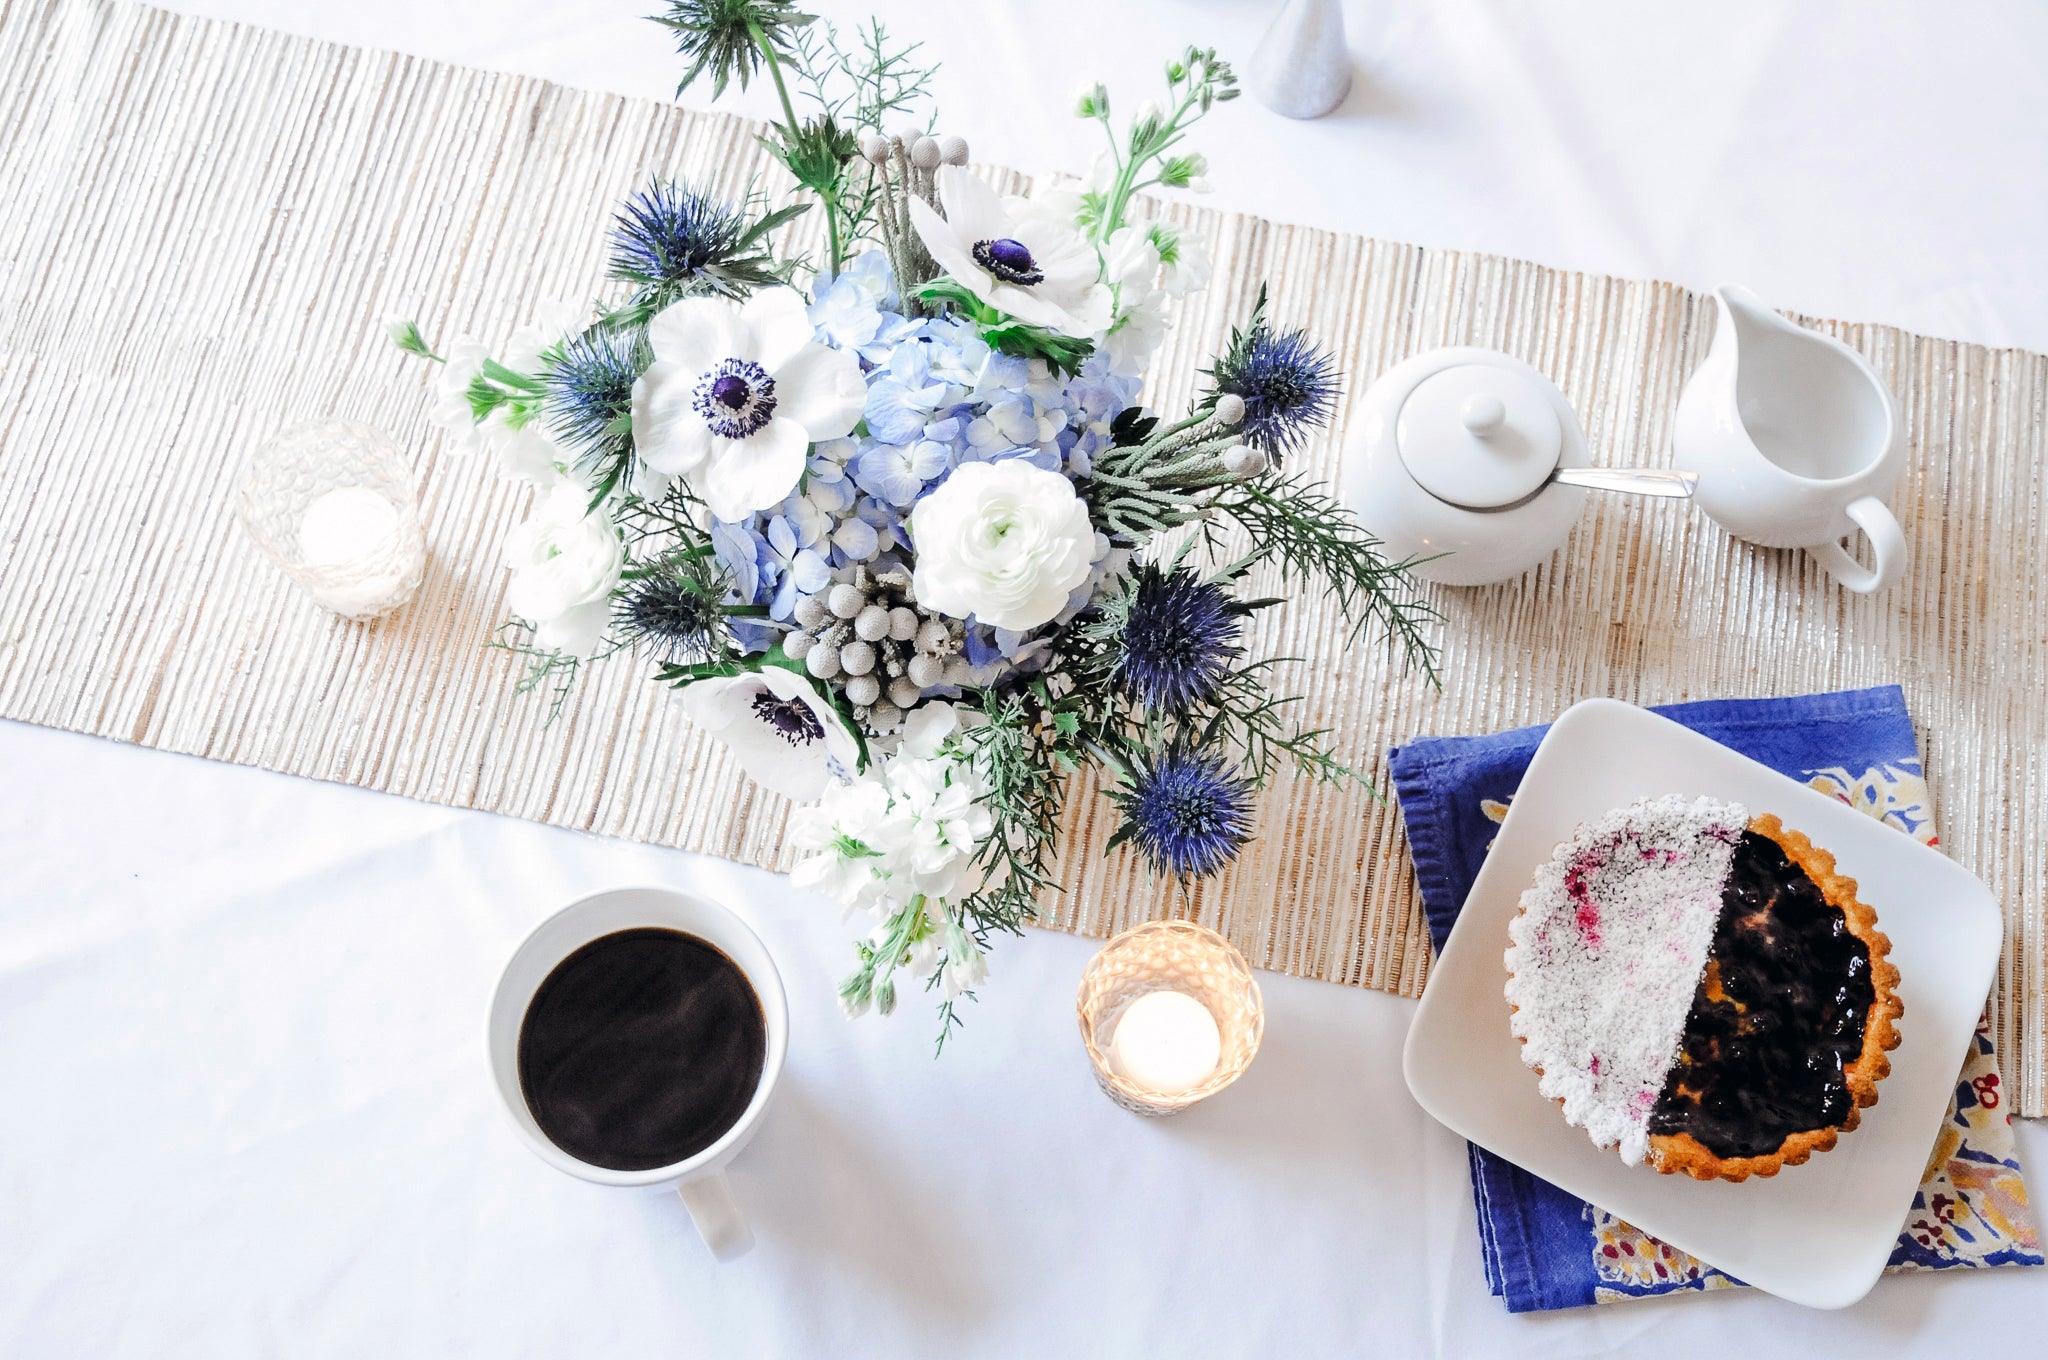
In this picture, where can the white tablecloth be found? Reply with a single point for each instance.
(241, 1046)
(241, 1015)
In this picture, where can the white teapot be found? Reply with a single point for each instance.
(1473, 463)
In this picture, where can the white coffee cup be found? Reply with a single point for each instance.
(1795, 440)
(700, 1180)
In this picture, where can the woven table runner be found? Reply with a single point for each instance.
(204, 222)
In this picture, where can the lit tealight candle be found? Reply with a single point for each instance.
(348, 525)
(1167, 1042)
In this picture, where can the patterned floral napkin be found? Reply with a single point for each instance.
(1546, 1249)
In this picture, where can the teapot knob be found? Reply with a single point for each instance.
(1484, 414)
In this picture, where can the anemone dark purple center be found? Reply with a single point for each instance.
(791, 719)
(1009, 260)
(735, 399)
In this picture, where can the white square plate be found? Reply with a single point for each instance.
(1818, 1234)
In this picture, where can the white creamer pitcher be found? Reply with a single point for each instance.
(1795, 440)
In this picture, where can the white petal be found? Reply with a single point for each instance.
(717, 702)
(668, 434)
(946, 245)
(780, 323)
(696, 333)
(821, 389)
(745, 475)
(972, 208)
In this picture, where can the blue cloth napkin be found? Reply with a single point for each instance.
(1546, 1249)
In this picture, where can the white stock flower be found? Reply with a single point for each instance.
(736, 396)
(464, 365)
(1132, 263)
(1027, 263)
(936, 804)
(784, 734)
(1003, 542)
(1184, 261)
(849, 843)
(565, 561)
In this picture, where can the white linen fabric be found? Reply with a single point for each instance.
(1876, 159)
(241, 1015)
(248, 1114)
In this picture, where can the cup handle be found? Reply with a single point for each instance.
(717, 1216)
(1887, 547)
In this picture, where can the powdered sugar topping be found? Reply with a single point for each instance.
(1607, 952)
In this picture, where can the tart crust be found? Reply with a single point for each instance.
(1675, 1153)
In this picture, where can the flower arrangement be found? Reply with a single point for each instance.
(893, 523)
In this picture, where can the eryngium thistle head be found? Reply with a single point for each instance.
(725, 37)
(1179, 639)
(669, 242)
(1289, 386)
(1188, 812)
(589, 398)
(674, 616)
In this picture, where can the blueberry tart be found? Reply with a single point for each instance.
(1699, 988)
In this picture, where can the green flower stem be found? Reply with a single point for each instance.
(834, 252)
(1163, 137)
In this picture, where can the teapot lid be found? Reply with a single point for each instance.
(1480, 435)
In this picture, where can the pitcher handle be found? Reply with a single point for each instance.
(1887, 548)
(717, 1216)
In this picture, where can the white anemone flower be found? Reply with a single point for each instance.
(784, 734)
(1028, 264)
(737, 394)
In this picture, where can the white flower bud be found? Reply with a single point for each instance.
(863, 690)
(934, 637)
(883, 715)
(810, 611)
(823, 662)
(872, 623)
(857, 658)
(874, 147)
(904, 693)
(1229, 409)
(794, 645)
(924, 153)
(902, 623)
(926, 671)
(907, 135)
(952, 150)
(846, 600)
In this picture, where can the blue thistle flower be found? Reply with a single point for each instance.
(1289, 386)
(1188, 812)
(589, 399)
(1179, 640)
(669, 241)
(677, 615)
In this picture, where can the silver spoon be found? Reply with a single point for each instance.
(1637, 481)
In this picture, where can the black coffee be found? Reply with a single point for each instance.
(641, 1049)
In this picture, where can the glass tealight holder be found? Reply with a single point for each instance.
(1178, 957)
(331, 503)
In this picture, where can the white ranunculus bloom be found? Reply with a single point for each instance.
(1029, 264)
(565, 560)
(786, 736)
(1003, 542)
(736, 396)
